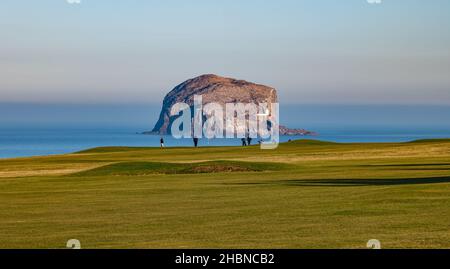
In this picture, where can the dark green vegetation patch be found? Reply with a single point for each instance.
(148, 168)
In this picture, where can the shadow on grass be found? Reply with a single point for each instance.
(412, 167)
(406, 165)
(352, 182)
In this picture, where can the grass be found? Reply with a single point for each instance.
(150, 168)
(305, 194)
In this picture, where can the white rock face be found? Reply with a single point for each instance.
(213, 89)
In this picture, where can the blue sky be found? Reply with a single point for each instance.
(312, 51)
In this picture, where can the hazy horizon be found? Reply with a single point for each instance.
(312, 52)
(142, 117)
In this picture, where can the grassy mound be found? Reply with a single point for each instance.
(311, 142)
(111, 149)
(148, 168)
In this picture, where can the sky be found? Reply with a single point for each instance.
(311, 51)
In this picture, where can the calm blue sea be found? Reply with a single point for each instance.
(38, 142)
(36, 130)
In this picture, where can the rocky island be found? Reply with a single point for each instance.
(220, 90)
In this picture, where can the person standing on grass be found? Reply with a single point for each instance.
(244, 142)
(161, 141)
(249, 140)
(195, 142)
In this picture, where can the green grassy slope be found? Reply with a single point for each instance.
(305, 194)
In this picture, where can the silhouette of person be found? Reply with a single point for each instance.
(244, 143)
(249, 140)
(161, 141)
(195, 142)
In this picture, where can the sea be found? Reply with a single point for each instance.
(40, 130)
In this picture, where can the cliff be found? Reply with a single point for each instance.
(216, 89)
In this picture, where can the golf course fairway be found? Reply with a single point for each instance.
(304, 194)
